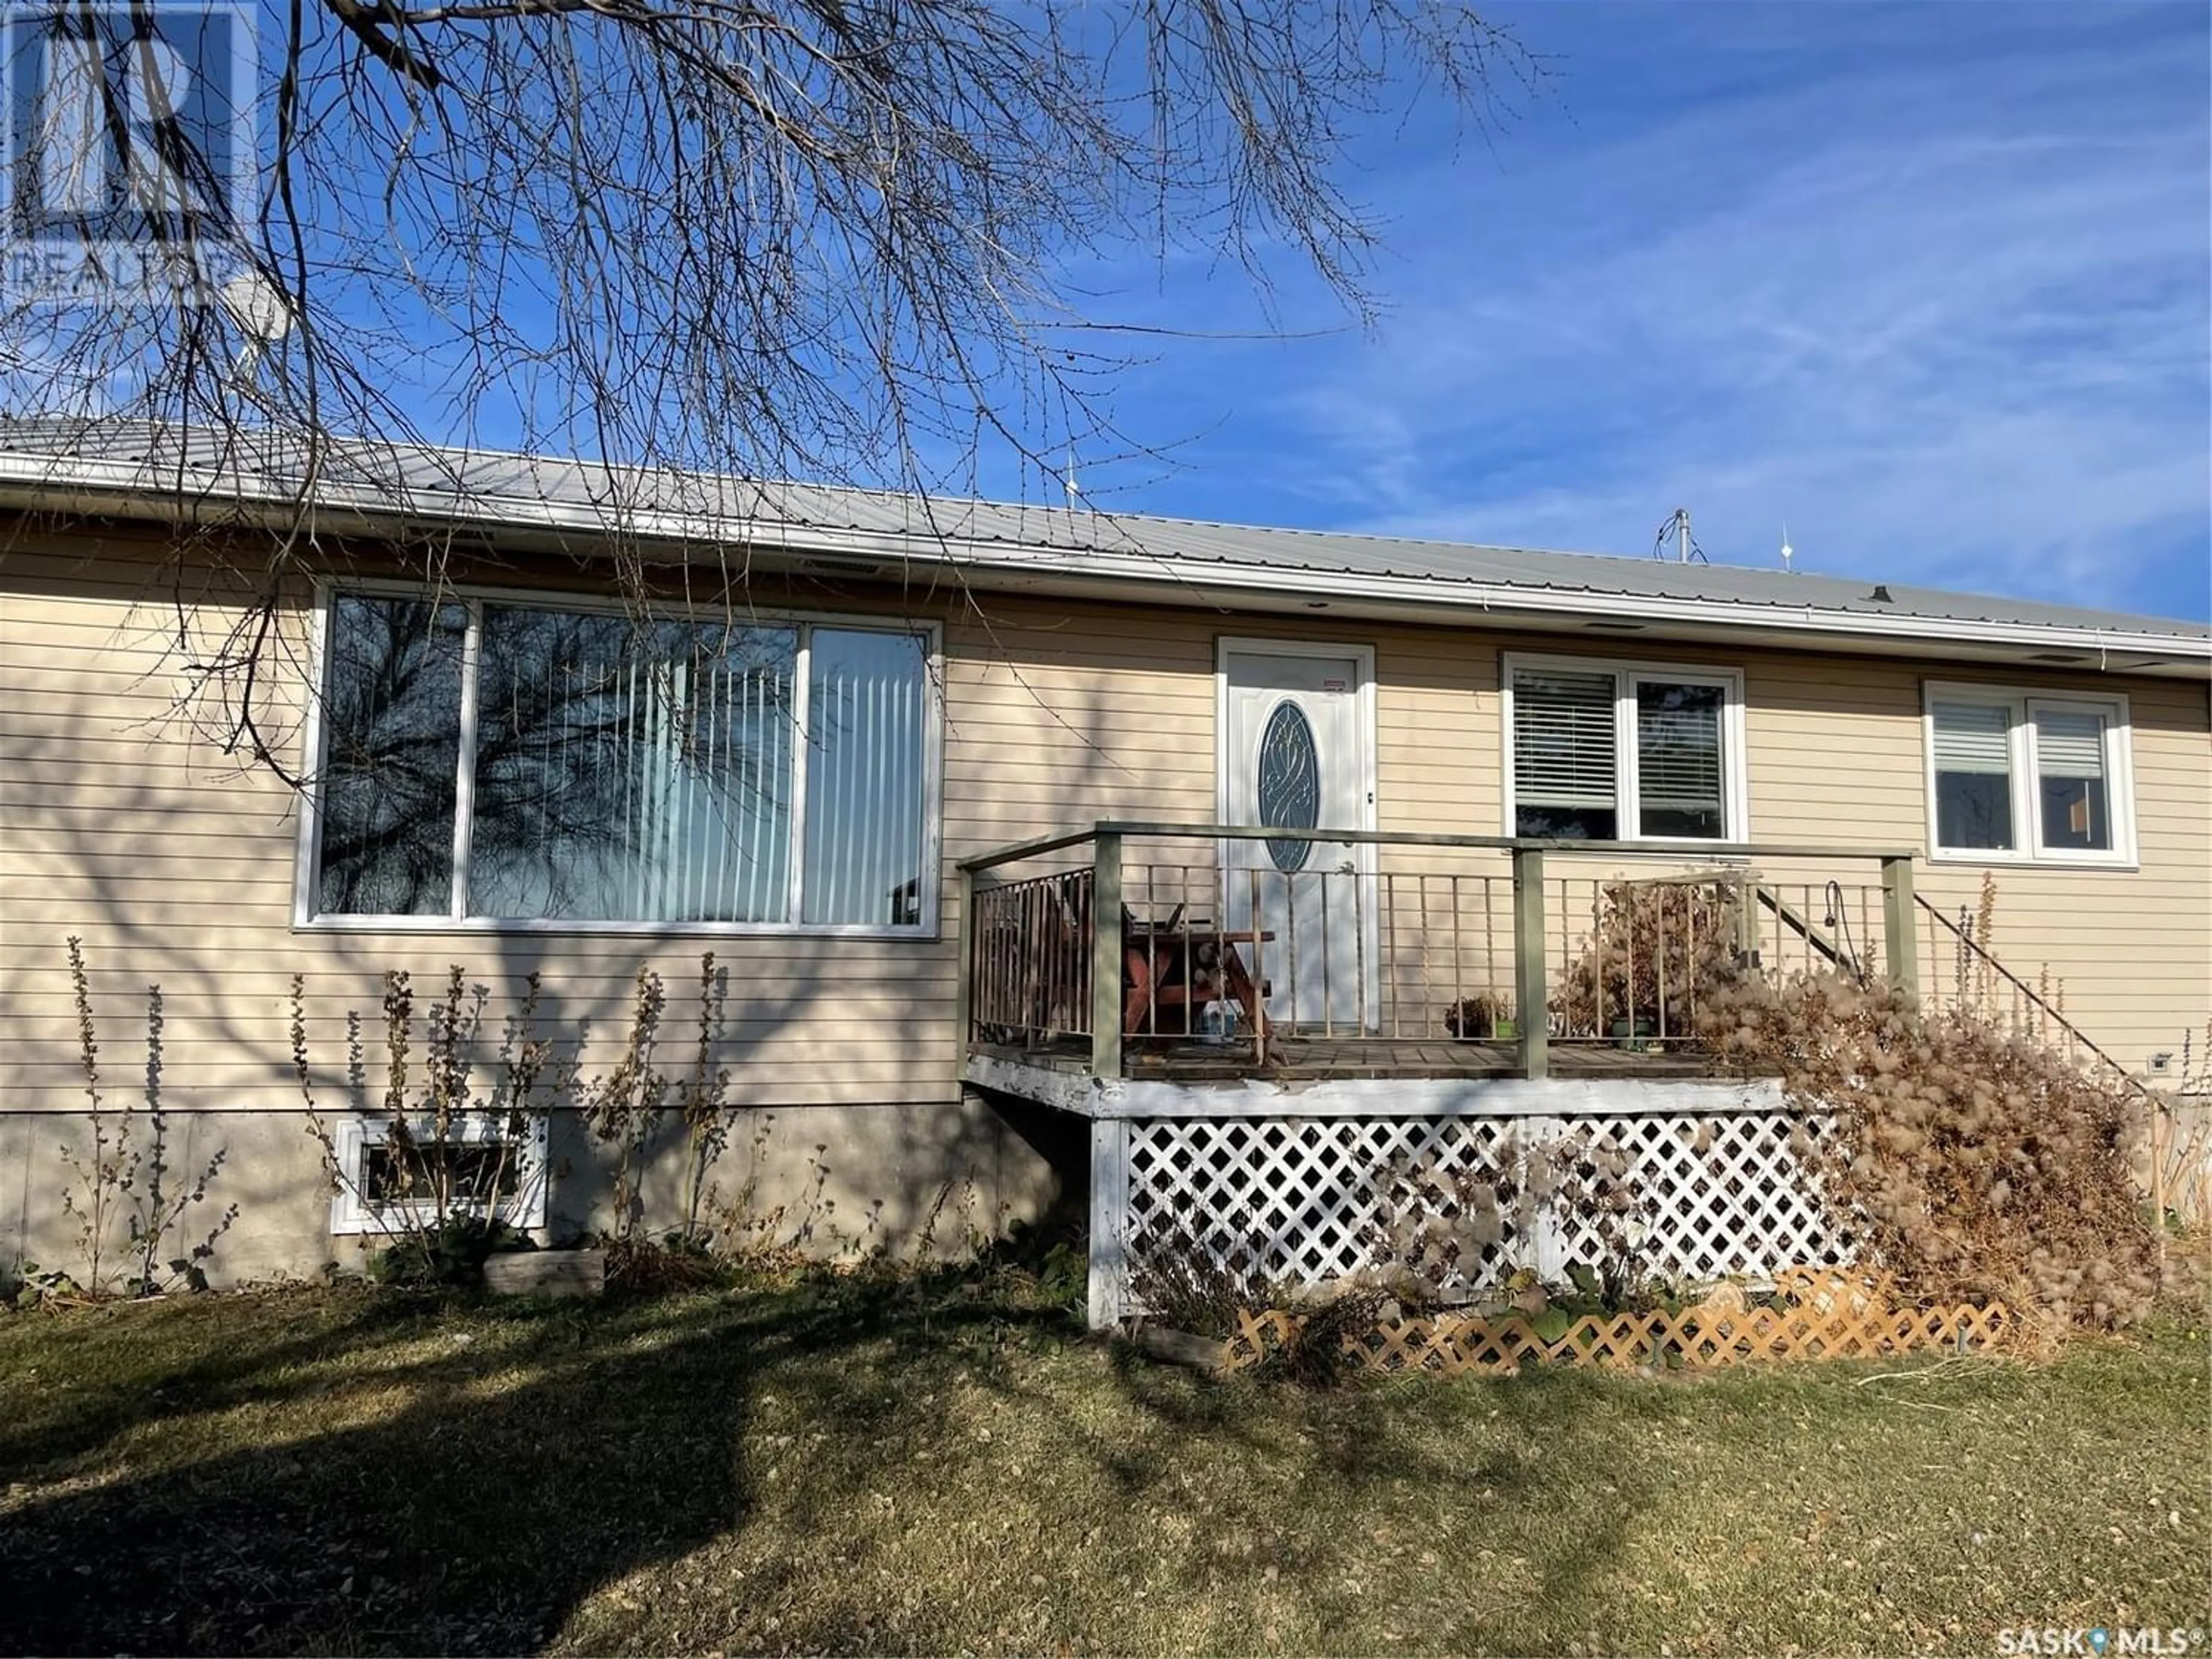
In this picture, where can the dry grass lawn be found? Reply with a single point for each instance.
(944, 1466)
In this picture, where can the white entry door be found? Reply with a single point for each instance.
(1296, 735)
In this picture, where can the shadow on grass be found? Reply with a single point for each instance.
(357, 1472)
(514, 1458)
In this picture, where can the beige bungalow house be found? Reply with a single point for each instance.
(1192, 871)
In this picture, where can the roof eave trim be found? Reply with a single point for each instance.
(104, 486)
(1494, 597)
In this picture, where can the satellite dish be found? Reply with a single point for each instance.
(260, 312)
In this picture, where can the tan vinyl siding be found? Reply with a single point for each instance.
(177, 863)
(2130, 949)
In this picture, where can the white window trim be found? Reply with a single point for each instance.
(309, 848)
(351, 1138)
(2021, 706)
(1628, 805)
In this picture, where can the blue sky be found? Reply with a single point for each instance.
(1928, 282)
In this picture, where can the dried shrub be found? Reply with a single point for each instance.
(127, 1179)
(622, 1108)
(703, 1098)
(2181, 1141)
(1439, 1230)
(1196, 1284)
(452, 1253)
(1487, 1015)
(1322, 1348)
(1446, 1235)
(1653, 949)
(638, 1266)
(754, 1242)
(439, 1188)
(1971, 1161)
(451, 1131)
(1183, 1286)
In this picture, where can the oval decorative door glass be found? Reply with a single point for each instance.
(1288, 785)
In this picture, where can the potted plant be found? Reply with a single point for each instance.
(1485, 1017)
(1638, 1034)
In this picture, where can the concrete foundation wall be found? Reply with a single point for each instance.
(836, 1182)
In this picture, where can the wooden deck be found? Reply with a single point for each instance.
(1317, 1059)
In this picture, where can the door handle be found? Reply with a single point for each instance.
(1347, 868)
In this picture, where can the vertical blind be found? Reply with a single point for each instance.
(391, 722)
(864, 777)
(709, 753)
(623, 770)
(628, 771)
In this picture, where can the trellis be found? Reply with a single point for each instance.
(1718, 1193)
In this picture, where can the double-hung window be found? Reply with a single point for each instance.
(1623, 751)
(2016, 776)
(491, 762)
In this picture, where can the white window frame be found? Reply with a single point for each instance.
(352, 1213)
(304, 917)
(1627, 674)
(2022, 764)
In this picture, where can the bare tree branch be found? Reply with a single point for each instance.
(836, 240)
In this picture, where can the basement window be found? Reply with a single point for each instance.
(485, 1164)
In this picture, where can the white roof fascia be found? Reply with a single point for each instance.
(91, 485)
(1487, 596)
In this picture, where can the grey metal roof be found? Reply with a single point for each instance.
(129, 460)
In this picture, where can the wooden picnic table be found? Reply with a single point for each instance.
(1178, 966)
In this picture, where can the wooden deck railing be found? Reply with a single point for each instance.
(1029, 958)
(1149, 933)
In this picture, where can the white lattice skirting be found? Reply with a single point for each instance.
(1716, 1193)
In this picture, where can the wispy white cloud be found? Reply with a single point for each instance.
(1943, 306)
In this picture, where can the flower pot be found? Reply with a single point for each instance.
(1476, 1020)
(1631, 1034)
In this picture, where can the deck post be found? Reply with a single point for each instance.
(963, 953)
(1109, 1221)
(1106, 950)
(1531, 1006)
(1900, 946)
(2159, 1142)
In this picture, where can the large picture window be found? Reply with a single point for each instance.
(2016, 777)
(1619, 752)
(489, 762)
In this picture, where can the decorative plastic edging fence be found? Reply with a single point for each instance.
(1859, 1325)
